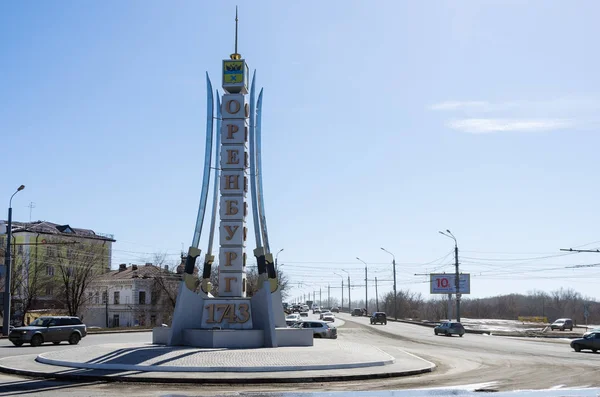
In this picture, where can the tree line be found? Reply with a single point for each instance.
(564, 302)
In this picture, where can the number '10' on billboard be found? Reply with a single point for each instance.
(443, 283)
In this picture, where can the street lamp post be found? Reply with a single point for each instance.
(276, 255)
(7, 297)
(366, 286)
(349, 299)
(395, 293)
(449, 234)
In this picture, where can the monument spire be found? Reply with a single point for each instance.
(235, 55)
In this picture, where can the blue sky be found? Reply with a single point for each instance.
(383, 123)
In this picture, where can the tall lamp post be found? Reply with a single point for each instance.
(366, 287)
(7, 297)
(342, 303)
(349, 299)
(276, 255)
(395, 293)
(449, 234)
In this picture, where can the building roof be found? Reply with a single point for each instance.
(44, 227)
(135, 271)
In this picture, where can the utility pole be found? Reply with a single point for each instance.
(349, 299)
(376, 296)
(329, 296)
(395, 292)
(31, 207)
(314, 299)
(366, 286)
(320, 298)
(449, 234)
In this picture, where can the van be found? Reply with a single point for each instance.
(562, 324)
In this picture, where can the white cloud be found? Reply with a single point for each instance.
(486, 126)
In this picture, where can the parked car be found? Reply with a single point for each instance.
(335, 309)
(379, 317)
(328, 317)
(53, 329)
(450, 328)
(292, 319)
(357, 312)
(304, 313)
(320, 328)
(590, 342)
(591, 331)
(562, 324)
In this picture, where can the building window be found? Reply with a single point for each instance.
(142, 298)
(115, 320)
(50, 251)
(96, 298)
(69, 253)
(104, 297)
(49, 290)
(116, 297)
(50, 270)
(153, 297)
(90, 296)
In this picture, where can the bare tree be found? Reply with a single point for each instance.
(77, 266)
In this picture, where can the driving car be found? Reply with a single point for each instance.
(323, 313)
(590, 342)
(53, 329)
(316, 310)
(292, 319)
(449, 328)
(562, 324)
(379, 317)
(335, 309)
(591, 331)
(328, 317)
(357, 312)
(320, 328)
(304, 313)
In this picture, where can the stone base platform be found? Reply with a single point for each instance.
(234, 338)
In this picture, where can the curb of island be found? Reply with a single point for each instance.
(214, 381)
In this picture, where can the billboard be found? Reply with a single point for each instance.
(443, 283)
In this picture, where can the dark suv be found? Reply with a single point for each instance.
(379, 317)
(49, 329)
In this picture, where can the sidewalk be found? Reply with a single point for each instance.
(327, 360)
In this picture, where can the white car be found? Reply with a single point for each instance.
(292, 319)
(323, 313)
(328, 316)
(320, 328)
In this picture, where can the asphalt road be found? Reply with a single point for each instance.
(491, 363)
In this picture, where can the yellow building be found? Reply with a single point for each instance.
(52, 265)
